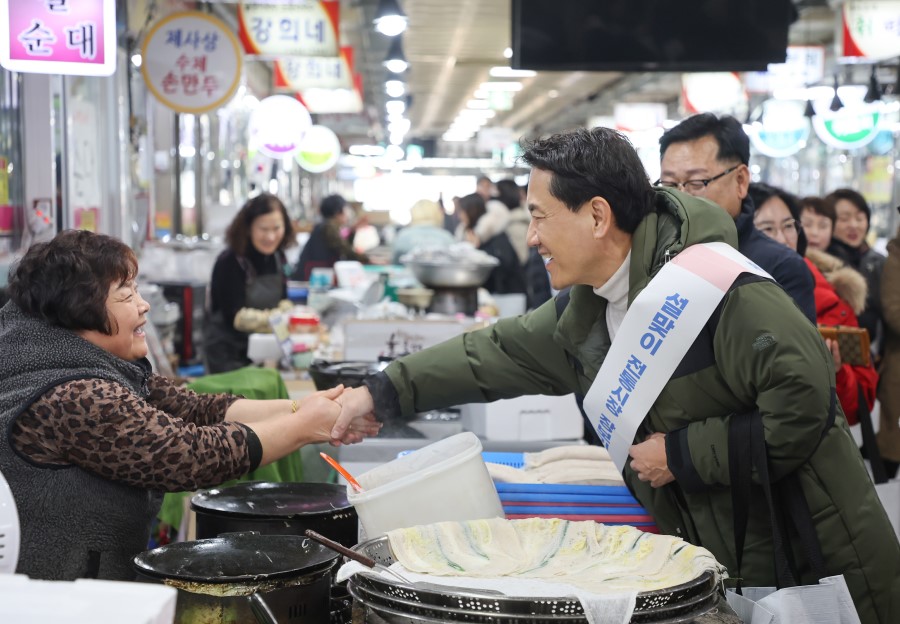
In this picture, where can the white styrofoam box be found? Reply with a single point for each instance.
(84, 601)
(367, 340)
(530, 417)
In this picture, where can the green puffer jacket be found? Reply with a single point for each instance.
(762, 352)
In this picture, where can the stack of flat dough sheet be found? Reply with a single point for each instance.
(595, 557)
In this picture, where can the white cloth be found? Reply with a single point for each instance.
(598, 608)
(615, 291)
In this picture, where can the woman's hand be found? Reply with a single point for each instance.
(318, 413)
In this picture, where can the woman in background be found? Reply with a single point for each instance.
(840, 292)
(250, 277)
(92, 437)
(425, 229)
(508, 277)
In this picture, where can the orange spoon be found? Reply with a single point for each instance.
(333, 463)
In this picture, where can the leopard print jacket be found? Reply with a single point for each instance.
(175, 440)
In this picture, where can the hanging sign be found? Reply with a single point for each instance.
(191, 62)
(306, 29)
(319, 150)
(75, 37)
(783, 131)
(306, 72)
(277, 125)
(848, 128)
(803, 65)
(871, 28)
(333, 101)
(713, 92)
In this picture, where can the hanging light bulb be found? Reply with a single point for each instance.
(836, 103)
(389, 19)
(873, 94)
(395, 60)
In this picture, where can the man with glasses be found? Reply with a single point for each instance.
(707, 156)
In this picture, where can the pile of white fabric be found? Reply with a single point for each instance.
(576, 464)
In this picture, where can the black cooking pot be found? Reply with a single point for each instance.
(277, 509)
(214, 578)
(326, 374)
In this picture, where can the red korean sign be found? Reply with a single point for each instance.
(76, 37)
(871, 28)
(191, 62)
(297, 73)
(307, 29)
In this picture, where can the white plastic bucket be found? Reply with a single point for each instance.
(446, 480)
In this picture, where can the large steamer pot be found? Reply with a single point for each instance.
(277, 509)
(244, 577)
(450, 275)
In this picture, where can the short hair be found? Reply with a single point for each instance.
(819, 206)
(851, 196)
(332, 206)
(483, 178)
(596, 162)
(760, 193)
(426, 212)
(733, 142)
(508, 193)
(474, 207)
(237, 236)
(65, 281)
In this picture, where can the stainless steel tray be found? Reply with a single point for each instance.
(461, 604)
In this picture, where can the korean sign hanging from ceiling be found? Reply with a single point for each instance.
(309, 28)
(296, 73)
(75, 37)
(871, 28)
(191, 62)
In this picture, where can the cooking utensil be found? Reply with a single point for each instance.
(356, 556)
(287, 508)
(431, 603)
(334, 464)
(450, 274)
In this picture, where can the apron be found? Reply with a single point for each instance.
(225, 348)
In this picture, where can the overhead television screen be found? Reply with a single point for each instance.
(649, 35)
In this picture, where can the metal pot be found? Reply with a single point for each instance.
(450, 275)
(286, 577)
(277, 509)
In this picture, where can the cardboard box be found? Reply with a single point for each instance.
(533, 417)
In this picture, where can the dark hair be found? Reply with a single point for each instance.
(66, 281)
(508, 193)
(332, 206)
(733, 142)
(760, 193)
(482, 178)
(819, 206)
(473, 206)
(237, 236)
(854, 198)
(590, 163)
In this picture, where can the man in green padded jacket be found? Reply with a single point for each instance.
(604, 231)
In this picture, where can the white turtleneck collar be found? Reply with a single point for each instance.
(615, 291)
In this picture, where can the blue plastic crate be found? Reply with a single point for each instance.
(515, 460)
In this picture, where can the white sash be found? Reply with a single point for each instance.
(658, 329)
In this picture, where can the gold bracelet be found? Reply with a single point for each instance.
(293, 406)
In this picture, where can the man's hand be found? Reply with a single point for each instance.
(357, 418)
(835, 349)
(649, 460)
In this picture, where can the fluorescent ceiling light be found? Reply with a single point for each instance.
(479, 104)
(507, 53)
(366, 150)
(399, 127)
(389, 18)
(501, 86)
(396, 138)
(481, 113)
(394, 152)
(508, 72)
(395, 106)
(394, 88)
(395, 60)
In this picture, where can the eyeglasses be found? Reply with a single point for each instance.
(791, 227)
(694, 186)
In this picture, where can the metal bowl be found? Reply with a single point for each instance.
(415, 297)
(449, 275)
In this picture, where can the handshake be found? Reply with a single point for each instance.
(340, 415)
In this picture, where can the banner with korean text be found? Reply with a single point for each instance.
(191, 62)
(75, 37)
(306, 29)
(659, 328)
(296, 73)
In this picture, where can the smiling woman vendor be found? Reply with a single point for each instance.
(90, 436)
(250, 273)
